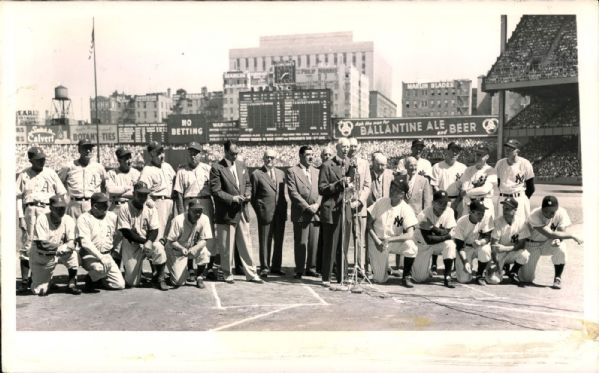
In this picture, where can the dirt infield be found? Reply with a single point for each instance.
(286, 304)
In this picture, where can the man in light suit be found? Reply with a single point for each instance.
(268, 200)
(362, 193)
(420, 192)
(381, 178)
(302, 185)
(230, 187)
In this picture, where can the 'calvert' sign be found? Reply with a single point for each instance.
(429, 127)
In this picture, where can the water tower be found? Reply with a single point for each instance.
(62, 105)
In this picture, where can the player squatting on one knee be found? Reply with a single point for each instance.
(548, 225)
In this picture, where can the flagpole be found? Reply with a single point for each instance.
(96, 92)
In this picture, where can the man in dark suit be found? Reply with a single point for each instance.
(268, 200)
(335, 178)
(327, 153)
(302, 185)
(230, 187)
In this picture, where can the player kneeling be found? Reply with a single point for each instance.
(472, 236)
(508, 240)
(95, 231)
(139, 224)
(548, 231)
(391, 229)
(53, 242)
(435, 225)
(187, 240)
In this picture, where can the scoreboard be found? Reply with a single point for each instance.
(285, 115)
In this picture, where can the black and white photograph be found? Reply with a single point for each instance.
(289, 186)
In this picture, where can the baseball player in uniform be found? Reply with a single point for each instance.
(508, 240)
(472, 236)
(54, 242)
(423, 166)
(35, 186)
(548, 225)
(187, 238)
(515, 178)
(478, 182)
(159, 177)
(82, 178)
(446, 176)
(95, 232)
(435, 224)
(391, 230)
(140, 224)
(192, 182)
(119, 185)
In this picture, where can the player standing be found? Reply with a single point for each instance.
(548, 225)
(478, 182)
(54, 242)
(515, 178)
(423, 166)
(35, 186)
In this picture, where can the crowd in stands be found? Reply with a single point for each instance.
(547, 112)
(551, 156)
(541, 47)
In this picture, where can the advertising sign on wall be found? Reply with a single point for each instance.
(390, 128)
(48, 135)
(108, 133)
(185, 128)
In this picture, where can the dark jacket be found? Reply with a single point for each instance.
(224, 188)
(330, 187)
(268, 196)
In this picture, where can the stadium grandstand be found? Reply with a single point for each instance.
(540, 61)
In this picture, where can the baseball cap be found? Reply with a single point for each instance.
(401, 184)
(418, 142)
(35, 153)
(141, 187)
(454, 146)
(154, 145)
(549, 201)
(195, 146)
(121, 152)
(513, 143)
(85, 142)
(194, 204)
(99, 197)
(477, 205)
(57, 201)
(482, 148)
(510, 201)
(441, 195)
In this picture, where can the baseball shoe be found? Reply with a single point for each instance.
(515, 279)
(211, 275)
(256, 280)
(407, 282)
(481, 281)
(448, 282)
(192, 277)
(24, 287)
(162, 285)
(90, 286)
(433, 270)
(200, 283)
(311, 273)
(72, 288)
(557, 283)
(229, 280)
(42, 292)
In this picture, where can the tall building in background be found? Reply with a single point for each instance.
(240, 81)
(316, 50)
(152, 107)
(114, 109)
(208, 103)
(433, 99)
(349, 88)
(381, 106)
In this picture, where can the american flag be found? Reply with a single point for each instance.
(91, 48)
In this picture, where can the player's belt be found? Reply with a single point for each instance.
(36, 204)
(198, 197)
(513, 195)
(160, 197)
(482, 199)
(46, 253)
(452, 197)
(81, 198)
(537, 241)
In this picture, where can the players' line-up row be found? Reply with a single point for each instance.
(222, 193)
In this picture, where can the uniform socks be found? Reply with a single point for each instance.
(559, 269)
(407, 267)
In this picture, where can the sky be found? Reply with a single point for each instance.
(149, 47)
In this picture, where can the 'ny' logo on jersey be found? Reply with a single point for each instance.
(515, 238)
(398, 222)
(553, 227)
(457, 177)
(519, 179)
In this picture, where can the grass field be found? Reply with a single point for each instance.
(286, 304)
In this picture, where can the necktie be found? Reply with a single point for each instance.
(234, 170)
(307, 171)
(272, 175)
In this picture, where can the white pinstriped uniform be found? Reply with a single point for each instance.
(512, 180)
(539, 245)
(468, 232)
(390, 221)
(488, 176)
(509, 234)
(420, 269)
